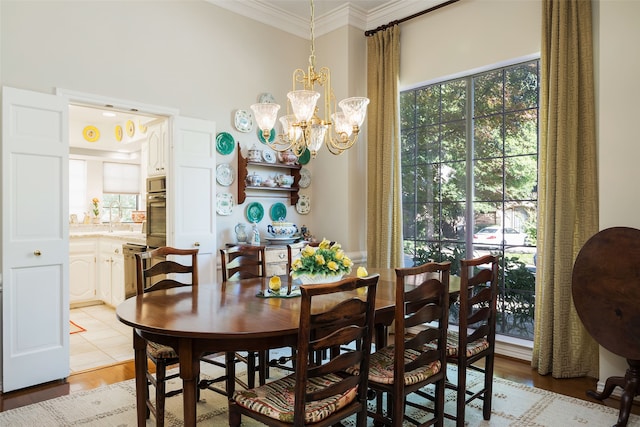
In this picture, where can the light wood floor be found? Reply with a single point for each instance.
(510, 369)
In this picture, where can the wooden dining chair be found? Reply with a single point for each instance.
(163, 268)
(475, 340)
(243, 262)
(409, 363)
(240, 262)
(322, 393)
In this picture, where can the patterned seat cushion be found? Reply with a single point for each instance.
(276, 399)
(474, 347)
(159, 351)
(381, 367)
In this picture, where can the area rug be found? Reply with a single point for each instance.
(74, 328)
(114, 405)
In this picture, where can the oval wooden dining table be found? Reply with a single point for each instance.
(221, 317)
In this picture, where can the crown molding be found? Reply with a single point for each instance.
(347, 14)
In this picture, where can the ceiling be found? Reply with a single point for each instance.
(293, 16)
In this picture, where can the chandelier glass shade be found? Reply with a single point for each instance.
(303, 128)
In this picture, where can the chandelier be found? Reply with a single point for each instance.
(302, 127)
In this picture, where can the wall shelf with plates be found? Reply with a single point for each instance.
(245, 165)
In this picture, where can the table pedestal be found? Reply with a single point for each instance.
(630, 384)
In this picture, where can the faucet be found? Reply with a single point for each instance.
(113, 204)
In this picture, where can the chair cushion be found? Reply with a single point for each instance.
(473, 348)
(159, 351)
(276, 399)
(381, 367)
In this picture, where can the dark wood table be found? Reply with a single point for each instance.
(216, 317)
(606, 293)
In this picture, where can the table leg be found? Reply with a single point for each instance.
(189, 372)
(140, 354)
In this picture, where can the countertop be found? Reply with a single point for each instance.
(128, 234)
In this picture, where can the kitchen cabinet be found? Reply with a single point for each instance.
(262, 167)
(111, 271)
(157, 149)
(82, 269)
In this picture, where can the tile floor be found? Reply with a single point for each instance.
(106, 341)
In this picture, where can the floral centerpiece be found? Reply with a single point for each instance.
(322, 264)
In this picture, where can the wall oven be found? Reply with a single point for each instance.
(156, 211)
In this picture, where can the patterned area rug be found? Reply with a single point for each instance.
(114, 405)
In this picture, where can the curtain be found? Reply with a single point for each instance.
(384, 183)
(568, 193)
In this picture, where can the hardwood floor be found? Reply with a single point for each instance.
(507, 368)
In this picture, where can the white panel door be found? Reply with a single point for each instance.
(191, 196)
(35, 242)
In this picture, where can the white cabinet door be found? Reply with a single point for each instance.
(191, 211)
(35, 238)
(117, 279)
(82, 270)
(104, 276)
(111, 265)
(157, 148)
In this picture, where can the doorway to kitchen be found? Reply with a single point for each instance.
(116, 132)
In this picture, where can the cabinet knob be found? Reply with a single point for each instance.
(117, 251)
(196, 244)
(281, 255)
(37, 252)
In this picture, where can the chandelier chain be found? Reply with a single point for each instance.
(312, 56)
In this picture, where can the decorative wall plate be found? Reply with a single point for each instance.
(91, 133)
(224, 203)
(305, 178)
(224, 174)
(269, 156)
(131, 128)
(243, 121)
(225, 143)
(303, 206)
(305, 157)
(255, 212)
(118, 133)
(272, 136)
(278, 212)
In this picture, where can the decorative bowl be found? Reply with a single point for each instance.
(282, 229)
(138, 216)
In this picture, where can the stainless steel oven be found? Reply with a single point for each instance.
(156, 211)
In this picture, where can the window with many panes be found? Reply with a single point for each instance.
(469, 179)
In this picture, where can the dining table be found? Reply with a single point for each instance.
(224, 317)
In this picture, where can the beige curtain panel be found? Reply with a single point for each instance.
(568, 186)
(384, 188)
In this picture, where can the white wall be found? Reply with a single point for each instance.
(618, 112)
(187, 55)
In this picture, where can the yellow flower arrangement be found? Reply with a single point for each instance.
(96, 206)
(326, 259)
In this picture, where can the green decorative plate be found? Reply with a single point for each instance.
(278, 212)
(272, 135)
(255, 212)
(225, 143)
(305, 157)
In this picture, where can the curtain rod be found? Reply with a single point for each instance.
(369, 33)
